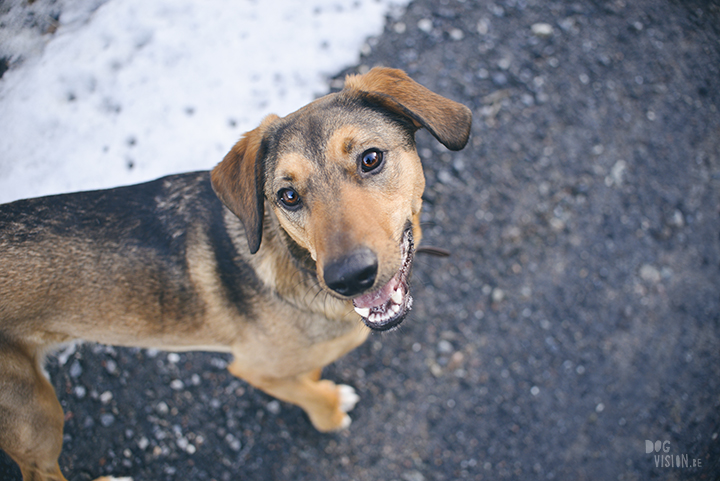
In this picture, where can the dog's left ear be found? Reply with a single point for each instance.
(446, 120)
(239, 182)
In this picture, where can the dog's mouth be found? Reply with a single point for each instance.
(387, 306)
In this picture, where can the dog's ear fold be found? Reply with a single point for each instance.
(239, 182)
(446, 120)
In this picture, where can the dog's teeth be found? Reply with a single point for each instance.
(363, 311)
(397, 296)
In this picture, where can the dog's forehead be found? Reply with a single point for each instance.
(335, 122)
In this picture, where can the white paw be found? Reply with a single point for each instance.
(348, 399)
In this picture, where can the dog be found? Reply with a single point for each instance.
(307, 227)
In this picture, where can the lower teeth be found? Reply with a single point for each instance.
(391, 310)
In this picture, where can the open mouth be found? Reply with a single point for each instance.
(387, 306)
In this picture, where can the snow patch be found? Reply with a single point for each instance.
(130, 90)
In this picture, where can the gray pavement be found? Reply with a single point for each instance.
(579, 313)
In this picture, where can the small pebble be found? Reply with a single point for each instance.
(445, 347)
(273, 407)
(80, 392)
(162, 408)
(498, 295)
(111, 366)
(457, 34)
(650, 273)
(542, 30)
(75, 369)
(107, 419)
(425, 25)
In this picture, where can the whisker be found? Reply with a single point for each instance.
(320, 291)
(433, 251)
(348, 313)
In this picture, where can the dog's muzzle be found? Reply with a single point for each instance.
(387, 306)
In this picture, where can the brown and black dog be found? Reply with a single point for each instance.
(307, 226)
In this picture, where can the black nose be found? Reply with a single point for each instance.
(352, 274)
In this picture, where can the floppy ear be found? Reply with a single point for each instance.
(239, 182)
(447, 121)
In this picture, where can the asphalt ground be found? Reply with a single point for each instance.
(576, 320)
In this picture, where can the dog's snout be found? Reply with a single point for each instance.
(353, 274)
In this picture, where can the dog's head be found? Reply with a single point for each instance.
(344, 180)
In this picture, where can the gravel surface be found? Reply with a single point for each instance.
(577, 318)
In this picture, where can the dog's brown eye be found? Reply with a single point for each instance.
(289, 198)
(371, 160)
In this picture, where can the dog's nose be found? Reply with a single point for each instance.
(353, 274)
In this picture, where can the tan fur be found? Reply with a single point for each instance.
(245, 276)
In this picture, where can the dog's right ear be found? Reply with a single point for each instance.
(239, 181)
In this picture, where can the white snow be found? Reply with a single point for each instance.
(131, 90)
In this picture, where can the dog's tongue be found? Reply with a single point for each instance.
(379, 297)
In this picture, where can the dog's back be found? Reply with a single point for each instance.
(80, 255)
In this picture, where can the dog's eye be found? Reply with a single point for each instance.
(289, 198)
(371, 160)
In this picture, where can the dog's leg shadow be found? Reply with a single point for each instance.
(325, 402)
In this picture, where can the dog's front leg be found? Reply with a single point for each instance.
(325, 402)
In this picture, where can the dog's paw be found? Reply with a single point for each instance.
(333, 401)
(346, 422)
(348, 399)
